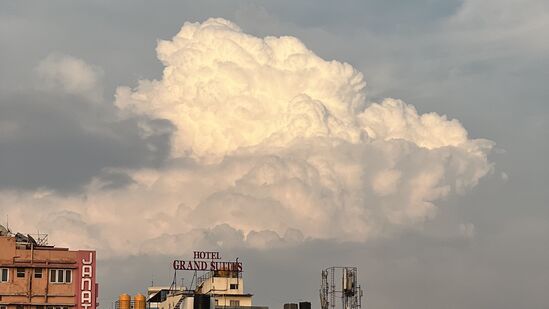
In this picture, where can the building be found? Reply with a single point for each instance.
(226, 287)
(217, 289)
(220, 287)
(34, 275)
(157, 294)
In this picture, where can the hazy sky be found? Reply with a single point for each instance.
(404, 137)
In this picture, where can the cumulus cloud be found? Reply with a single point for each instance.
(226, 91)
(70, 75)
(272, 145)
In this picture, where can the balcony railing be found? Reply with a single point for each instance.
(241, 307)
(218, 274)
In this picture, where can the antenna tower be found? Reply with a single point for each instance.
(347, 290)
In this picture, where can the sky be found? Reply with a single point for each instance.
(405, 138)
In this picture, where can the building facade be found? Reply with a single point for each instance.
(223, 290)
(38, 276)
(226, 287)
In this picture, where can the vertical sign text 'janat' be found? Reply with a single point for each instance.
(86, 287)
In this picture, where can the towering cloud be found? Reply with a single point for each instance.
(227, 91)
(272, 144)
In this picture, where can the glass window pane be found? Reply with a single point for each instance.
(60, 276)
(4, 275)
(38, 273)
(234, 303)
(53, 275)
(68, 275)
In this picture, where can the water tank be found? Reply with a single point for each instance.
(124, 301)
(139, 301)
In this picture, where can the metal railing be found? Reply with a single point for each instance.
(241, 307)
(219, 274)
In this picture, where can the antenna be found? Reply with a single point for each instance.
(348, 290)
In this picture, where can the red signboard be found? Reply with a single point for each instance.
(85, 284)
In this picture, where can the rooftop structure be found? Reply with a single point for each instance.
(223, 288)
(220, 286)
(34, 274)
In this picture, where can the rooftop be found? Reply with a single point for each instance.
(27, 241)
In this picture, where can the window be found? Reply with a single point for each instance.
(4, 275)
(60, 275)
(234, 303)
(38, 273)
(20, 272)
(234, 286)
(3, 307)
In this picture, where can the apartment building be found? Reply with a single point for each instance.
(34, 275)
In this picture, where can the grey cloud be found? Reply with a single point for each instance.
(219, 237)
(60, 142)
(112, 180)
(380, 16)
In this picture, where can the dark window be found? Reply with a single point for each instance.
(234, 286)
(53, 275)
(234, 303)
(60, 275)
(20, 273)
(38, 273)
(4, 275)
(68, 276)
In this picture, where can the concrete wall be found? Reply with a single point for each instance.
(171, 301)
(222, 285)
(30, 290)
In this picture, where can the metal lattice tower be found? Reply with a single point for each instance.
(349, 291)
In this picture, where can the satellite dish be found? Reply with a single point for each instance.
(4, 231)
(31, 240)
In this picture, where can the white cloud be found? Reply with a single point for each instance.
(226, 90)
(69, 75)
(283, 143)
